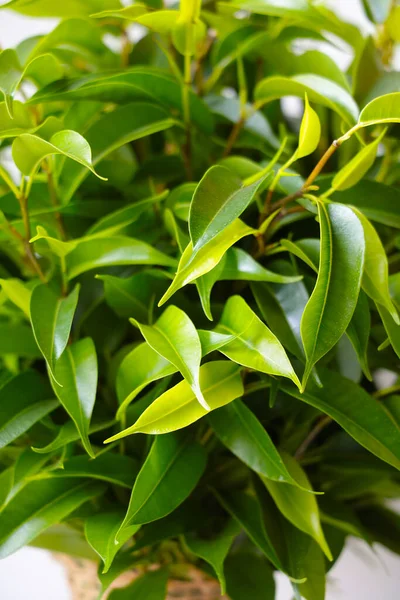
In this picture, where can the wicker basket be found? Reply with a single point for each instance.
(82, 577)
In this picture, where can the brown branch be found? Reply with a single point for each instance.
(236, 129)
(315, 431)
(23, 202)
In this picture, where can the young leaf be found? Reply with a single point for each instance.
(39, 505)
(68, 433)
(29, 150)
(215, 550)
(100, 532)
(218, 200)
(24, 400)
(175, 337)
(375, 280)
(310, 132)
(240, 431)
(171, 471)
(357, 412)
(334, 299)
(178, 407)
(254, 346)
(298, 506)
(18, 293)
(51, 318)
(193, 265)
(384, 109)
(76, 377)
(359, 165)
(150, 586)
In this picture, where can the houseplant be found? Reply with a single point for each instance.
(198, 291)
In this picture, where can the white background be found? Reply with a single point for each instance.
(360, 574)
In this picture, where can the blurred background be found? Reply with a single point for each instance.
(361, 573)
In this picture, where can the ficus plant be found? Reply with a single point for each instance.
(200, 290)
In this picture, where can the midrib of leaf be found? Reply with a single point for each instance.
(123, 292)
(47, 505)
(33, 407)
(188, 375)
(329, 274)
(164, 474)
(72, 366)
(206, 390)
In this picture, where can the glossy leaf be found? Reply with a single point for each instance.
(29, 150)
(298, 506)
(334, 299)
(51, 318)
(246, 571)
(193, 264)
(18, 293)
(375, 280)
(113, 468)
(39, 505)
(171, 471)
(218, 200)
(150, 586)
(355, 170)
(97, 252)
(100, 532)
(214, 551)
(310, 132)
(384, 109)
(68, 433)
(318, 89)
(178, 407)
(44, 8)
(359, 330)
(175, 338)
(254, 346)
(240, 431)
(76, 383)
(24, 400)
(357, 412)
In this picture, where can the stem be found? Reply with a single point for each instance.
(187, 148)
(233, 136)
(320, 165)
(23, 202)
(7, 179)
(318, 427)
(55, 202)
(386, 391)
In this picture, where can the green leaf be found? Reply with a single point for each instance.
(254, 346)
(134, 296)
(171, 471)
(174, 337)
(150, 586)
(384, 109)
(218, 200)
(21, 122)
(76, 377)
(39, 505)
(358, 332)
(123, 217)
(357, 412)
(18, 339)
(178, 407)
(236, 265)
(249, 573)
(239, 430)
(391, 328)
(68, 433)
(98, 252)
(318, 89)
(193, 264)
(18, 293)
(69, 8)
(111, 131)
(215, 550)
(30, 150)
(24, 400)
(51, 318)
(247, 512)
(100, 532)
(113, 468)
(375, 280)
(298, 506)
(334, 299)
(142, 82)
(359, 165)
(303, 250)
(310, 132)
